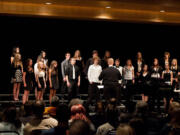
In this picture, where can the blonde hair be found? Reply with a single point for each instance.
(75, 54)
(17, 60)
(39, 67)
(52, 65)
(175, 62)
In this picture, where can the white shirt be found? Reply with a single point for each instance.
(128, 73)
(120, 70)
(93, 73)
(36, 69)
(41, 74)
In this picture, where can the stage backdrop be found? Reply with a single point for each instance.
(57, 36)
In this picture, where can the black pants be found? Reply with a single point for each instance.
(112, 90)
(64, 87)
(93, 92)
(128, 93)
(73, 90)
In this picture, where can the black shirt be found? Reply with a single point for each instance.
(110, 75)
(69, 72)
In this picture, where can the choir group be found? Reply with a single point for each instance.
(153, 81)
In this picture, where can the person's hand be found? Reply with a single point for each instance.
(45, 86)
(50, 85)
(78, 84)
(39, 85)
(133, 81)
(25, 85)
(68, 84)
(64, 79)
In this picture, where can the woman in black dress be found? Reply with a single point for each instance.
(80, 64)
(53, 79)
(144, 81)
(17, 73)
(156, 71)
(176, 72)
(28, 80)
(166, 87)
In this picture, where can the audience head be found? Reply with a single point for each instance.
(78, 112)
(10, 115)
(138, 126)
(141, 108)
(62, 113)
(55, 101)
(75, 101)
(79, 127)
(173, 106)
(124, 129)
(38, 109)
(28, 108)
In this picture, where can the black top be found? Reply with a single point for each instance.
(79, 63)
(69, 72)
(175, 72)
(167, 77)
(136, 65)
(156, 72)
(144, 79)
(29, 75)
(110, 75)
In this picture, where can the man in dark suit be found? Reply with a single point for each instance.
(111, 77)
(73, 79)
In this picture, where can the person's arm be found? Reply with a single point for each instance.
(24, 79)
(44, 81)
(101, 76)
(37, 79)
(12, 59)
(50, 81)
(162, 77)
(67, 76)
(62, 70)
(89, 75)
(79, 80)
(133, 77)
(171, 78)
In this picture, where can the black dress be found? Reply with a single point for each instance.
(54, 80)
(30, 80)
(144, 81)
(166, 87)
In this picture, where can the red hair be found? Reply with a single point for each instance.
(78, 112)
